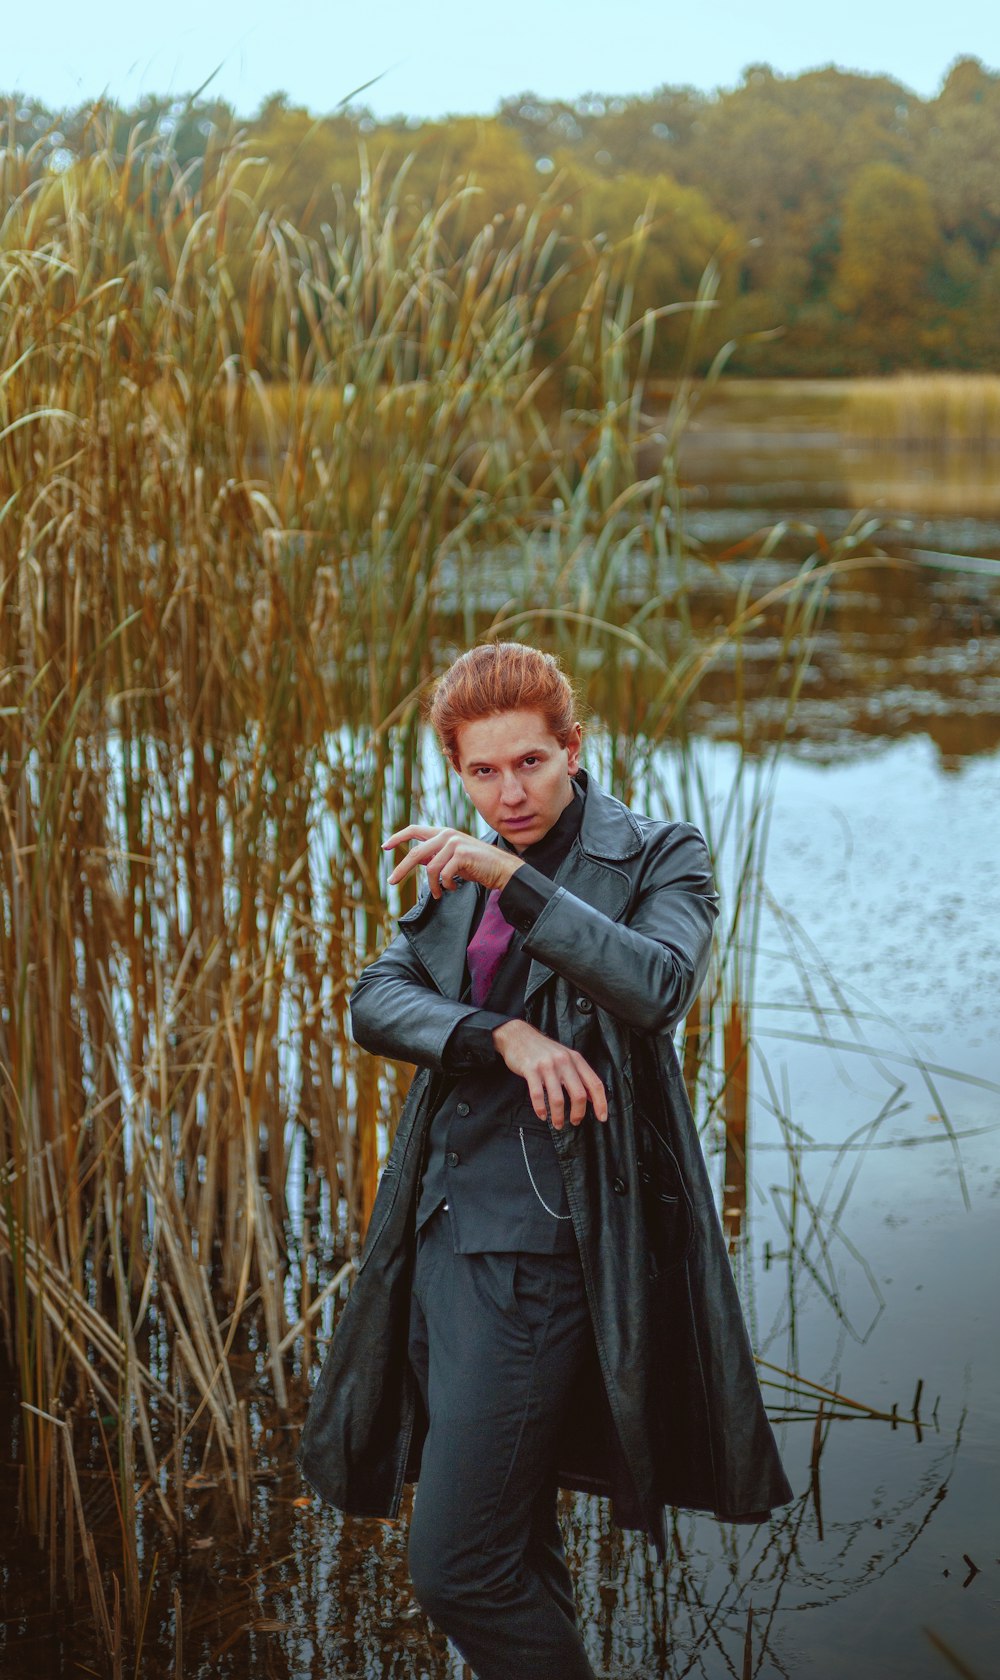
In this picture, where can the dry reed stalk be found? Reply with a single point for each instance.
(693, 1052)
(241, 1436)
(98, 1603)
(69, 1512)
(814, 1388)
(814, 1476)
(66, 1310)
(178, 1636)
(328, 1290)
(736, 1101)
(117, 1651)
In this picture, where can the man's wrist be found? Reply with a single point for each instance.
(505, 1032)
(511, 865)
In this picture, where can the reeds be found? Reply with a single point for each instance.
(254, 488)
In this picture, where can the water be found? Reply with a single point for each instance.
(868, 1254)
(889, 866)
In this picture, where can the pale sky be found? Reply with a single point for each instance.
(453, 56)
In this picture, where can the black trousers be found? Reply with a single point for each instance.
(498, 1343)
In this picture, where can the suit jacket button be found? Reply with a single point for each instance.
(619, 1187)
(452, 1157)
(584, 1005)
(461, 1108)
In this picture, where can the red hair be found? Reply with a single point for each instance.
(501, 677)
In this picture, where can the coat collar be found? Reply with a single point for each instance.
(609, 830)
(439, 929)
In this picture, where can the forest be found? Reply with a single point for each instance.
(853, 226)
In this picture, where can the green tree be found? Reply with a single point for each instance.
(304, 160)
(666, 235)
(890, 246)
(958, 154)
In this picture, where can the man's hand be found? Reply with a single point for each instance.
(550, 1070)
(450, 857)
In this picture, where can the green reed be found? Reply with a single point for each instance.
(255, 487)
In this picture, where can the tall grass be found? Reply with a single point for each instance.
(256, 486)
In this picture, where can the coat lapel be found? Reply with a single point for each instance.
(439, 931)
(590, 871)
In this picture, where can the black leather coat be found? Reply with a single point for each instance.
(672, 1414)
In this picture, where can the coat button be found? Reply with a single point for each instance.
(619, 1187)
(584, 1005)
(452, 1157)
(461, 1108)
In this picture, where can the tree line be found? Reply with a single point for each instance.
(854, 225)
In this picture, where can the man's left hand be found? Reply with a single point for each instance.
(450, 857)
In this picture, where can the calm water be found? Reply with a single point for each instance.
(870, 1240)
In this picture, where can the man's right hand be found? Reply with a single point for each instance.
(553, 1073)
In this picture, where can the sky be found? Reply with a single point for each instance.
(451, 56)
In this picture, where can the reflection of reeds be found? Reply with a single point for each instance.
(725, 1591)
(923, 479)
(222, 599)
(947, 410)
(957, 1664)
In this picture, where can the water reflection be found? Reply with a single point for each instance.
(779, 466)
(924, 481)
(902, 649)
(907, 649)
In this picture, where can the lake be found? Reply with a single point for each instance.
(865, 1237)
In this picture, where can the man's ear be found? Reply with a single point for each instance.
(573, 742)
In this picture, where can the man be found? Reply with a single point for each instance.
(544, 1296)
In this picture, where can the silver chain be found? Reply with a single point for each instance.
(534, 1186)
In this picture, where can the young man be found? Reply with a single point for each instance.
(544, 1297)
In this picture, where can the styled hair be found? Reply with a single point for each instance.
(501, 677)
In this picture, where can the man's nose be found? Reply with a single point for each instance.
(511, 791)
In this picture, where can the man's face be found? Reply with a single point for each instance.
(516, 773)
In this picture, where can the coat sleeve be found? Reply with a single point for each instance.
(397, 1011)
(648, 968)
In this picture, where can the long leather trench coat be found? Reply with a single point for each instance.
(672, 1414)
